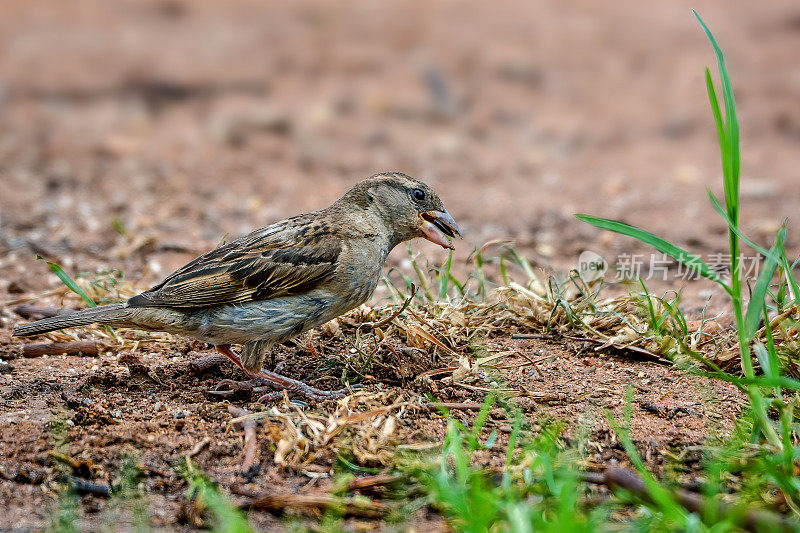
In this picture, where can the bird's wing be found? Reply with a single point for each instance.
(291, 257)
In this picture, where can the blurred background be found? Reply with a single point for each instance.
(137, 134)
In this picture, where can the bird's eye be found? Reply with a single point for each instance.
(418, 195)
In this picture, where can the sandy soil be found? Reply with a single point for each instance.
(183, 122)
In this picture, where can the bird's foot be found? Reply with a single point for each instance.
(230, 388)
(264, 381)
(260, 381)
(254, 385)
(295, 387)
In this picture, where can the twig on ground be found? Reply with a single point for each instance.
(221, 393)
(531, 336)
(88, 348)
(551, 398)
(198, 447)
(437, 372)
(206, 364)
(369, 482)
(83, 487)
(755, 520)
(63, 459)
(435, 407)
(314, 503)
(604, 343)
(248, 425)
(534, 362)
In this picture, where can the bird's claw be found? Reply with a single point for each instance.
(230, 387)
(306, 391)
(260, 384)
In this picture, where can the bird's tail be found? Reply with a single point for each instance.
(106, 314)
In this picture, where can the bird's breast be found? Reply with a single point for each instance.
(360, 271)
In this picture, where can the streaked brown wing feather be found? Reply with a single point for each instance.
(277, 261)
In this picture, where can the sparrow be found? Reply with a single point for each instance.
(282, 280)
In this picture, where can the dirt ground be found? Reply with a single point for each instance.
(136, 135)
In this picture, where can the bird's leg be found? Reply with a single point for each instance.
(252, 384)
(225, 349)
(265, 377)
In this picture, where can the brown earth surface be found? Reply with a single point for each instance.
(136, 135)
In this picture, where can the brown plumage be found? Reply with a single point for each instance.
(282, 280)
(298, 257)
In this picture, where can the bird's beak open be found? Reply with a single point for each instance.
(437, 226)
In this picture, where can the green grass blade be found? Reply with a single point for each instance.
(482, 416)
(786, 417)
(756, 381)
(718, 207)
(677, 316)
(68, 281)
(677, 253)
(787, 269)
(756, 305)
(723, 137)
(655, 324)
(767, 364)
(522, 262)
(444, 276)
(731, 147)
(227, 517)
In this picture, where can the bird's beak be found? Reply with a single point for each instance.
(437, 226)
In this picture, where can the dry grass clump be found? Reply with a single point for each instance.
(362, 427)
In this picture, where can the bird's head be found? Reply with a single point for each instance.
(406, 207)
